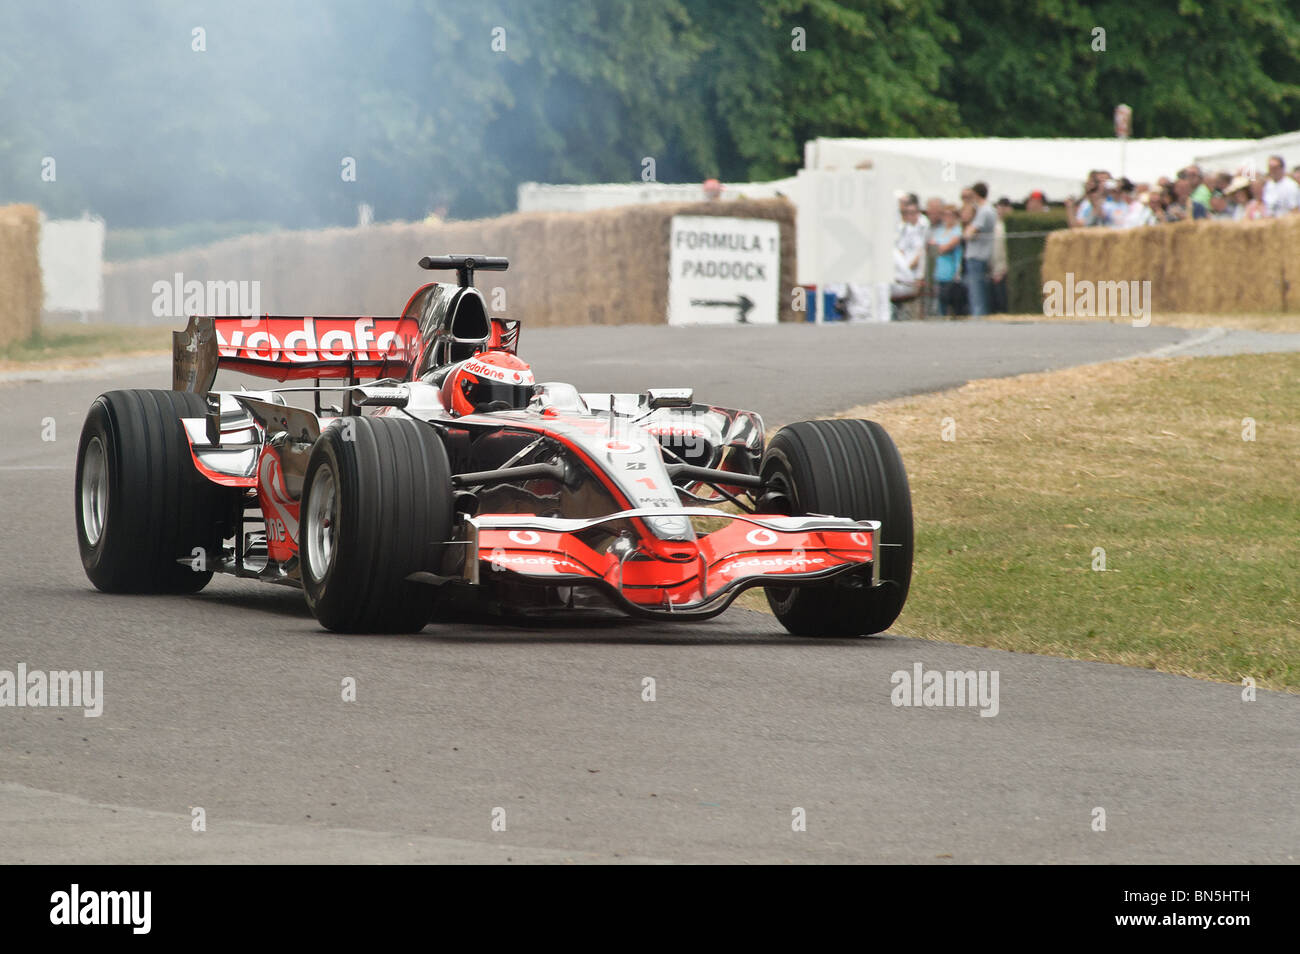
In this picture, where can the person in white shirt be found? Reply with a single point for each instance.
(912, 239)
(1281, 193)
(1138, 211)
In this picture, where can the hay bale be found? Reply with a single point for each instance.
(21, 293)
(1204, 267)
(606, 266)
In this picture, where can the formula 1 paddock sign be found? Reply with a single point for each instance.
(723, 271)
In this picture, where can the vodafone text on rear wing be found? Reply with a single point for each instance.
(293, 348)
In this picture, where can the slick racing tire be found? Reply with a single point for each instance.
(147, 521)
(844, 469)
(376, 507)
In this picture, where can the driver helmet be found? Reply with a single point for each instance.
(491, 381)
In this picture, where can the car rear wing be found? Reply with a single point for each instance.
(293, 348)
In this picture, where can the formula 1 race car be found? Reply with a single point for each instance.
(445, 477)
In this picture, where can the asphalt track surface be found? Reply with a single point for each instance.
(231, 700)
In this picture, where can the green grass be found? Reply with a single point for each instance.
(1145, 459)
(74, 341)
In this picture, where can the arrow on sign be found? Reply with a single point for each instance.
(742, 304)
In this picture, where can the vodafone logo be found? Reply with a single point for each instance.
(861, 539)
(525, 537)
(490, 371)
(519, 559)
(622, 447)
(485, 370)
(309, 340)
(761, 537)
(770, 563)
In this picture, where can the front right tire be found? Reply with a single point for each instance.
(850, 469)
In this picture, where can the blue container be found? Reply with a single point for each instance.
(828, 300)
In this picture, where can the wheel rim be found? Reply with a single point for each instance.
(322, 522)
(94, 491)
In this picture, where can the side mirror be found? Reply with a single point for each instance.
(670, 397)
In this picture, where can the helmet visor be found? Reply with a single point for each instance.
(496, 395)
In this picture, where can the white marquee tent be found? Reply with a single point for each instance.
(1253, 154)
(1014, 167)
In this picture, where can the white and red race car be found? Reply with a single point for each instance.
(446, 476)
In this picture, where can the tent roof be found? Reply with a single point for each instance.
(1073, 159)
(1286, 145)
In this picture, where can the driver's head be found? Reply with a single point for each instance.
(491, 381)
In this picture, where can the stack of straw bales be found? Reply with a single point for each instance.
(20, 273)
(603, 267)
(1201, 267)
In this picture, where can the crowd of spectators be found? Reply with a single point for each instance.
(1122, 204)
(950, 259)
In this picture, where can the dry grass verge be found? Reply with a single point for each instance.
(1244, 322)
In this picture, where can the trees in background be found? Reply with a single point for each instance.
(438, 103)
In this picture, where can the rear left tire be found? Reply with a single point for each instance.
(142, 507)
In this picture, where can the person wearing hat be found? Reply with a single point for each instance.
(1036, 202)
(1238, 194)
